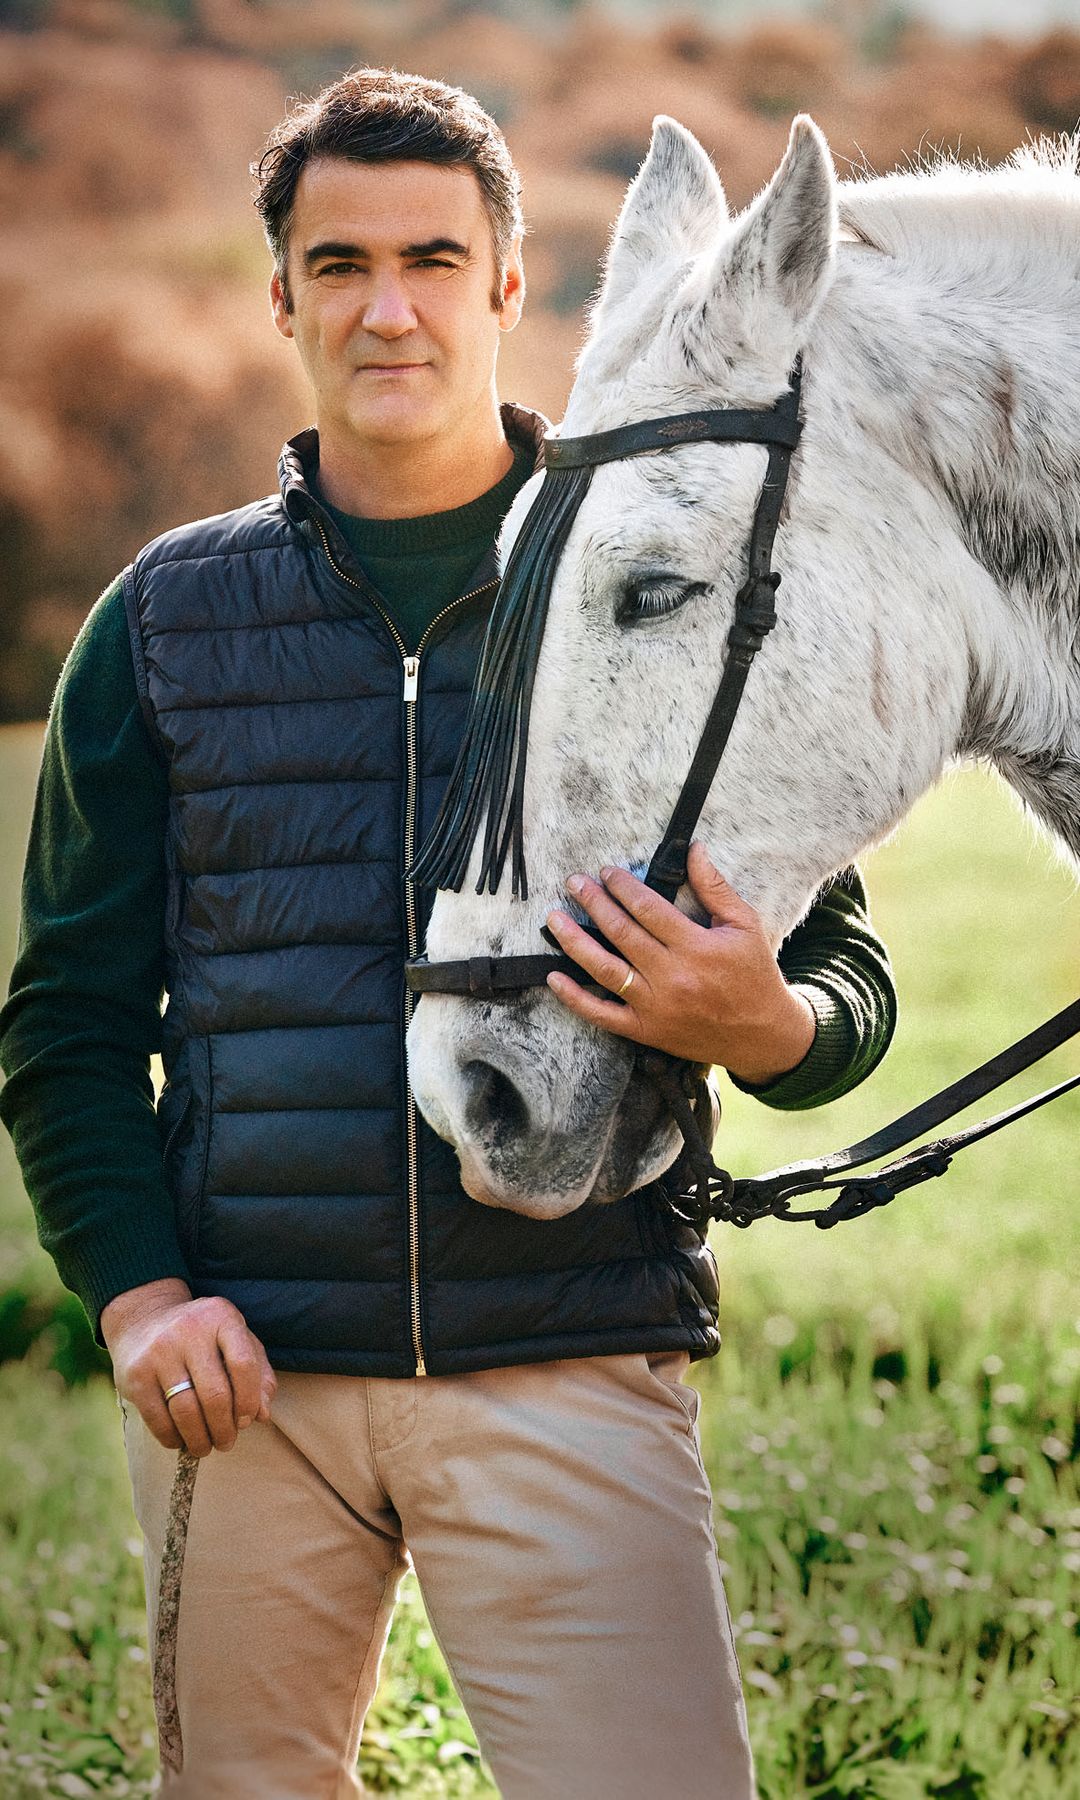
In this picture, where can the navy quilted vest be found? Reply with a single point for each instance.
(308, 1190)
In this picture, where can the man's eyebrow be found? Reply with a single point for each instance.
(440, 246)
(437, 247)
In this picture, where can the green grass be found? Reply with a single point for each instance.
(892, 1430)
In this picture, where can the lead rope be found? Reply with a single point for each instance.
(697, 1190)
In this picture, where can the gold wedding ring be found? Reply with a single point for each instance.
(178, 1387)
(626, 984)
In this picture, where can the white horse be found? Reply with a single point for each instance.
(929, 607)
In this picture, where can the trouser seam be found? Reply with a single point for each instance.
(333, 1792)
(371, 1427)
(448, 1660)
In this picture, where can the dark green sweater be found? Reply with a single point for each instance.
(83, 1014)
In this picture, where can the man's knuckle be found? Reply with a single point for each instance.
(144, 1393)
(210, 1311)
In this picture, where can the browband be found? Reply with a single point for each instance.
(780, 425)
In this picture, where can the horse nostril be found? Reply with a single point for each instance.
(494, 1105)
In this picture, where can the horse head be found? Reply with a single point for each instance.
(897, 645)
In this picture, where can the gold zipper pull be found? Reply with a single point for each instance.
(412, 677)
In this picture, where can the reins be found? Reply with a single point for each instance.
(699, 1191)
(486, 788)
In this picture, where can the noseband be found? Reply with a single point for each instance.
(486, 790)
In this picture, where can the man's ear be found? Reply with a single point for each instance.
(281, 312)
(513, 287)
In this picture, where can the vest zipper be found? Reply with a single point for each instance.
(410, 693)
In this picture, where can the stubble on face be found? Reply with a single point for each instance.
(390, 271)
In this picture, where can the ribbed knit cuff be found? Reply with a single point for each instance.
(102, 1266)
(826, 1065)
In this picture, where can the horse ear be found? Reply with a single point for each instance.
(674, 207)
(779, 259)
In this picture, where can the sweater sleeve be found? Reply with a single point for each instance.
(83, 1014)
(838, 961)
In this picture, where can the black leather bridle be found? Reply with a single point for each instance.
(489, 774)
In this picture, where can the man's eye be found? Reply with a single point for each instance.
(653, 596)
(434, 262)
(343, 268)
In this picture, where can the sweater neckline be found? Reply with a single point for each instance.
(453, 528)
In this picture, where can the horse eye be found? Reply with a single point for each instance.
(653, 596)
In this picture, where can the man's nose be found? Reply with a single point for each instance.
(389, 311)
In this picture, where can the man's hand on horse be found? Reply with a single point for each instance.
(710, 993)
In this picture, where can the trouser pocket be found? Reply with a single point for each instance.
(667, 1369)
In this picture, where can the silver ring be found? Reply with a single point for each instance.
(178, 1387)
(626, 984)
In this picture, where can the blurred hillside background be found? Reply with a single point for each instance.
(142, 383)
(893, 1428)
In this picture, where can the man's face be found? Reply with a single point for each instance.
(391, 269)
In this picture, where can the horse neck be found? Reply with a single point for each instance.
(974, 395)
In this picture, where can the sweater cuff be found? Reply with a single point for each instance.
(824, 1067)
(104, 1266)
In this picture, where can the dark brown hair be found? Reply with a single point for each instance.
(379, 116)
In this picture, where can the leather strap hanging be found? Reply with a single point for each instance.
(481, 775)
(713, 1193)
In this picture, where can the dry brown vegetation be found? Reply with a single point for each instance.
(143, 383)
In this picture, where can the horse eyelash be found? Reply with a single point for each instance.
(655, 599)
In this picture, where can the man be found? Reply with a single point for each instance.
(250, 736)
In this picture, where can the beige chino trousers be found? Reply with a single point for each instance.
(558, 1517)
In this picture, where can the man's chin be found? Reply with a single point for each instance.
(396, 418)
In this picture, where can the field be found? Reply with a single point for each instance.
(892, 1429)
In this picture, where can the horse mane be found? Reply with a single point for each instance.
(943, 210)
(965, 226)
(979, 234)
